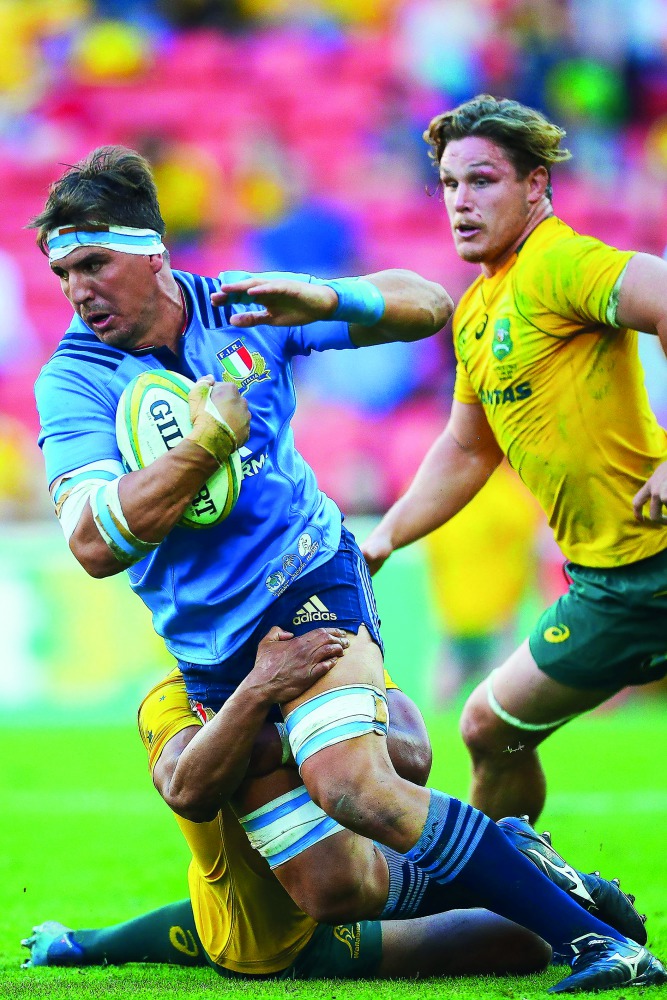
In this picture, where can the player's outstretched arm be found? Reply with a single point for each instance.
(200, 768)
(382, 307)
(415, 308)
(456, 467)
(641, 301)
(153, 499)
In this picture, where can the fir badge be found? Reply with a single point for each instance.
(241, 366)
(501, 345)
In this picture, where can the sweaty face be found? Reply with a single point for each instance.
(488, 205)
(112, 292)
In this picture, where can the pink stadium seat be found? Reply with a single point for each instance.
(18, 398)
(368, 57)
(201, 58)
(412, 429)
(346, 470)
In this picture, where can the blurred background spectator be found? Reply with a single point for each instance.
(287, 134)
(482, 565)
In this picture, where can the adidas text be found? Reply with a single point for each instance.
(313, 610)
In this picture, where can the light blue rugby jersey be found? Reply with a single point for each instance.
(206, 588)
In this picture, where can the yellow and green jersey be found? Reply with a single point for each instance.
(563, 390)
(244, 917)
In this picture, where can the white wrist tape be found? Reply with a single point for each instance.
(213, 410)
(112, 525)
(70, 492)
(334, 716)
(287, 826)
(217, 438)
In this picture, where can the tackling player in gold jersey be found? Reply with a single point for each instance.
(241, 920)
(547, 375)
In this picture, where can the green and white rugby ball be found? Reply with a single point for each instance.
(153, 416)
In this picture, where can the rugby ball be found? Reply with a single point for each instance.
(153, 416)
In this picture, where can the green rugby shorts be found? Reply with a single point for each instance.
(609, 630)
(348, 951)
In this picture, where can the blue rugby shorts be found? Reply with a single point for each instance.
(338, 594)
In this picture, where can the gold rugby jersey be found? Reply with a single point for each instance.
(244, 917)
(389, 684)
(563, 390)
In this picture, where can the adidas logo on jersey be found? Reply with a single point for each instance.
(313, 611)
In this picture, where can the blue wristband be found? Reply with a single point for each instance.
(359, 301)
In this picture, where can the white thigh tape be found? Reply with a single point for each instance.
(287, 826)
(511, 720)
(334, 716)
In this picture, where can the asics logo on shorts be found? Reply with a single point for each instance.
(557, 633)
(313, 610)
(183, 940)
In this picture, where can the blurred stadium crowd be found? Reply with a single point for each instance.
(287, 134)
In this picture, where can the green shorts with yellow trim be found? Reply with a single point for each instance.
(347, 951)
(609, 630)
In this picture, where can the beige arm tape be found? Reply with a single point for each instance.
(209, 430)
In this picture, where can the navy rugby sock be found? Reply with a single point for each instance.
(407, 886)
(462, 848)
(413, 894)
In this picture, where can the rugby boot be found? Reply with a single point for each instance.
(52, 943)
(601, 897)
(602, 963)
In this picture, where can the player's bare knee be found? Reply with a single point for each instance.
(416, 762)
(342, 900)
(528, 953)
(501, 947)
(351, 886)
(339, 741)
(349, 793)
(341, 796)
(493, 742)
(480, 728)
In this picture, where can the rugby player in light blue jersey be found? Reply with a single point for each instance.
(214, 594)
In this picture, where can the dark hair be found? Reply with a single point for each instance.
(113, 185)
(529, 139)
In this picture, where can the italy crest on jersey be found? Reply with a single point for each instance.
(241, 366)
(501, 345)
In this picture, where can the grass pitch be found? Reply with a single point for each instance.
(86, 840)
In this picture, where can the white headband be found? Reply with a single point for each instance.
(123, 239)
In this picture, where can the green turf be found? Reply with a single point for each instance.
(86, 840)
